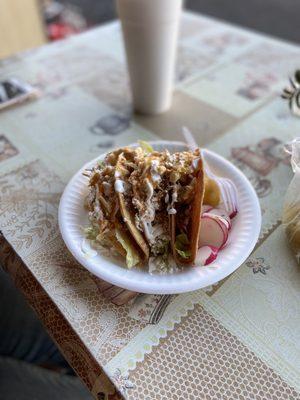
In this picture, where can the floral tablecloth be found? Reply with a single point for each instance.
(239, 339)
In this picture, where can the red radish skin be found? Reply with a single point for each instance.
(223, 221)
(213, 255)
(226, 228)
(206, 208)
(233, 214)
(213, 231)
(221, 213)
(226, 233)
(206, 255)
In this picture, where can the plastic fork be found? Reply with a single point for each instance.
(227, 188)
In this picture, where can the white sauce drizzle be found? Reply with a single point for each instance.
(147, 227)
(171, 209)
(154, 172)
(174, 197)
(119, 186)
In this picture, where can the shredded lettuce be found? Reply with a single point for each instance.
(132, 256)
(161, 245)
(146, 146)
(100, 163)
(184, 253)
(91, 232)
(182, 245)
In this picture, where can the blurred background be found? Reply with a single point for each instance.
(29, 23)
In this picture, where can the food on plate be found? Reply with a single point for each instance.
(207, 254)
(214, 231)
(187, 192)
(212, 194)
(156, 208)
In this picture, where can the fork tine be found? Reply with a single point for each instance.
(232, 196)
(233, 191)
(232, 199)
(227, 194)
(223, 190)
(189, 138)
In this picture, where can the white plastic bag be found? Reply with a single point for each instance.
(291, 208)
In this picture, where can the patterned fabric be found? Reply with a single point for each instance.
(212, 364)
(236, 339)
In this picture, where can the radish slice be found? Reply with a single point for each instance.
(206, 255)
(221, 213)
(206, 208)
(233, 214)
(213, 231)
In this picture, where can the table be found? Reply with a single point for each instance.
(238, 339)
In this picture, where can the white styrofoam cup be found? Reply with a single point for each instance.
(150, 31)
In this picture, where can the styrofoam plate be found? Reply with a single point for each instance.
(242, 237)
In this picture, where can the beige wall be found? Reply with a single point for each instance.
(21, 26)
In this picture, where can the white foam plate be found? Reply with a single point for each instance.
(242, 237)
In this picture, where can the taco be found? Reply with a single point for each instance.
(124, 168)
(107, 227)
(155, 198)
(185, 224)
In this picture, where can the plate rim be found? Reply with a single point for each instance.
(145, 288)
